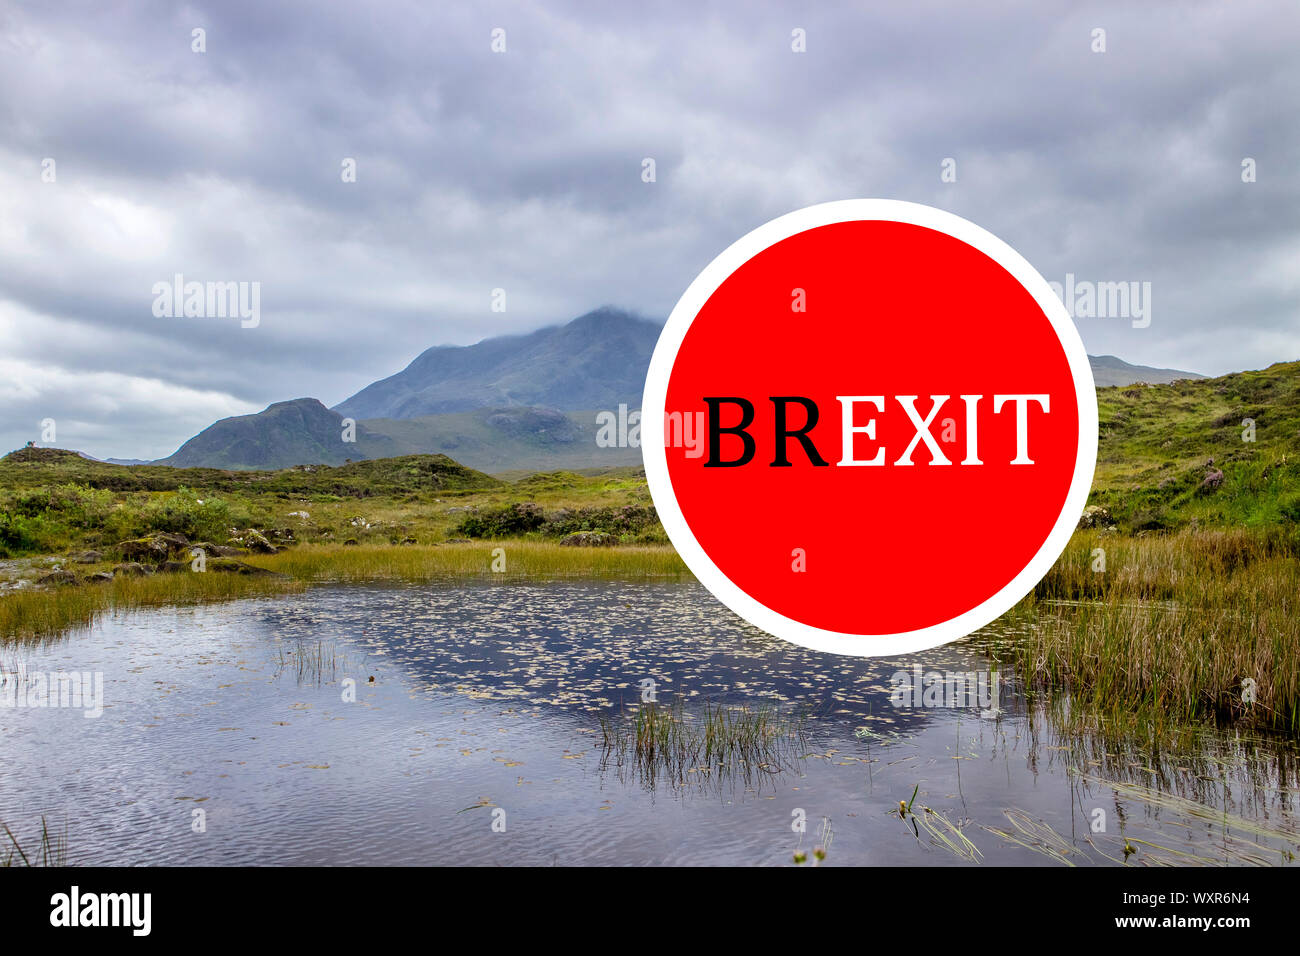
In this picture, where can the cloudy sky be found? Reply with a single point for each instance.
(522, 170)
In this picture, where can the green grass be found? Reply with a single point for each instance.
(523, 559)
(51, 849)
(34, 614)
(1173, 630)
(718, 743)
(1156, 442)
(46, 613)
(54, 502)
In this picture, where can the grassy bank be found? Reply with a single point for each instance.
(500, 559)
(1181, 627)
(48, 612)
(44, 613)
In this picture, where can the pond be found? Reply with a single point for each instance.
(251, 733)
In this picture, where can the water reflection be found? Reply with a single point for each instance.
(490, 697)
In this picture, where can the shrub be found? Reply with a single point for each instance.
(629, 520)
(70, 504)
(183, 512)
(21, 534)
(505, 522)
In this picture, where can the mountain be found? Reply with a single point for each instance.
(299, 432)
(519, 438)
(1107, 370)
(510, 403)
(596, 361)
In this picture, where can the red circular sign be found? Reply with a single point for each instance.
(876, 432)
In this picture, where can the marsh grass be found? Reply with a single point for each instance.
(1175, 629)
(719, 743)
(312, 662)
(939, 830)
(1237, 840)
(34, 615)
(50, 850)
(523, 559)
(1029, 833)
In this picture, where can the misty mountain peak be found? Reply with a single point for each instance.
(596, 361)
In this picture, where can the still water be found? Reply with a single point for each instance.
(479, 742)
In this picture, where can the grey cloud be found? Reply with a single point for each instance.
(522, 171)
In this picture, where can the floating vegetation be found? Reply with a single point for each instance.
(311, 662)
(52, 849)
(1033, 834)
(1239, 839)
(820, 850)
(716, 743)
(940, 831)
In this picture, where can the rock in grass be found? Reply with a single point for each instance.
(588, 539)
(100, 576)
(131, 569)
(154, 548)
(1095, 517)
(231, 566)
(57, 578)
(217, 550)
(142, 549)
(87, 557)
(255, 541)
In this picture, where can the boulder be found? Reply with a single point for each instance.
(1095, 517)
(143, 549)
(87, 557)
(57, 578)
(231, 566)
(256, 542)
(154, 548)
(217, 550)
(131, 569)
(174, 542)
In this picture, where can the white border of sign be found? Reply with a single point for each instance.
(656, 461)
